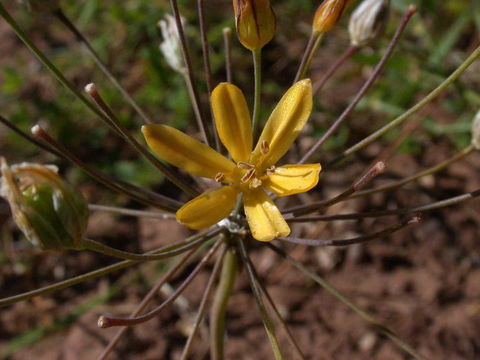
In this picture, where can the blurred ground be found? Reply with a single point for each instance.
(424, 282)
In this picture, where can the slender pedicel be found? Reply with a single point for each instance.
(81, 38)
(115, 124)
(189, 79)
(198, 239)
(356, 240)
(143, 304)
(348, 111)
(42, 134)
(368, 176)
(108, 321)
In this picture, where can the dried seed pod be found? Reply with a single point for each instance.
(476, 131)
(367, 21)
(255, 22)
(50, 213)
(42, 6)
(328, 14)
(170, 46)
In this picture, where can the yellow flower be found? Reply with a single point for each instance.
(249, 172)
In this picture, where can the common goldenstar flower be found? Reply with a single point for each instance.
(249, 172)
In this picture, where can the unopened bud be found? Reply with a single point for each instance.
(367, 21)
(476, 131)
(42, 6)
(171, 46)
(50, 213)
(328, 14)
(255, 22)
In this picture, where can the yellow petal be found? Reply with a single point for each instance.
(284, 125)
(292, 179)
(208, 208)
(186, 153)
(265, 220)
(232, 119)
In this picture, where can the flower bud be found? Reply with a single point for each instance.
(476, 131)
(328, 14)
(49, 212)
(42, 6)
(255, 22)
(367, 21)
(171, 47)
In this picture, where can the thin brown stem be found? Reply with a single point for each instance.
(402, 211)
(108, 321)
(430, 171)
(368, 84)
(189, 74)
(205, 46)
(203, 303)
(368, 176)
(146, 300)
(30, 138)
(163, 202)
(351, 50)
(227, 41)
(355, 240)
(101, 64)
(115, 124)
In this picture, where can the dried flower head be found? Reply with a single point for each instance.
(255, 22)
(170, 45)
(367, 21)
(50, 213)
(328, 14)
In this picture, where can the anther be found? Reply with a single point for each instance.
(245, 166)
(248, 176)
(219, 177)
(264, 147)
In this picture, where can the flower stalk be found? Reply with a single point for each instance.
(220, 302)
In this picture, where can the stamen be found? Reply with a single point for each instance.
(245, 166)
(219, 177)
(270, 170)
(248, 176)
(264, 147)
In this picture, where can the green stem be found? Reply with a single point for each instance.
(219, 306)
(198, 239)
(257, 69)
(257, 292)
(382, 329)
(312, 46)
(80, 37)
(426, 100)
(98, 247)
(130, 212)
